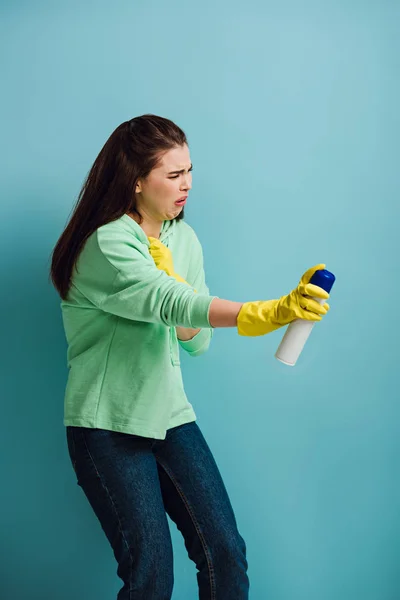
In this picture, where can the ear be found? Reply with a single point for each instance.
(138, 187)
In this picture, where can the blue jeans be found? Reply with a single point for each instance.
(131, 482)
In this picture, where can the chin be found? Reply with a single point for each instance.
(178, 214)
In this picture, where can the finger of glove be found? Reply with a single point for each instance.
(157, 256)
(308, 274)
(154, 250)
(154, 241)
(313, 306)
(309, 316)
(160, 252)
(156, 244)
(313, 290)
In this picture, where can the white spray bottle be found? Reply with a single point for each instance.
(298, 331)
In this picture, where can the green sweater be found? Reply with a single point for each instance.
(119, 319)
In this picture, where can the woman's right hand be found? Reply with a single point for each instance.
(263, 316)
(162, 257)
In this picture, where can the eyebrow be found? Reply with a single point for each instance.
(181, 171)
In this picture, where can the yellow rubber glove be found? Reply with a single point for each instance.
(261, 317)
(162, 256)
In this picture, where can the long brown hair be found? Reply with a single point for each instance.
(108, 192)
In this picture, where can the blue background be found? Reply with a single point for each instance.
(292, 115)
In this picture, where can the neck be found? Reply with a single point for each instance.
(151, 227)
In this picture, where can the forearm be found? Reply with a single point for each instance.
(224, 313)
(186, 333)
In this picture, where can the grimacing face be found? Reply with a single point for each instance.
(168, 182)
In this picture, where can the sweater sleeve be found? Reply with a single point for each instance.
(118, 275)
(196, 277)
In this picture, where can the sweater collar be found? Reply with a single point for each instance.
(167, 229)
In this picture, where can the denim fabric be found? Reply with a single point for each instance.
(131, 483)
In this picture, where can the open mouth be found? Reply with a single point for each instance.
(181, 202)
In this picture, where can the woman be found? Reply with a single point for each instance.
(130, 274)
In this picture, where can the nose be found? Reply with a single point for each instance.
(186, 183)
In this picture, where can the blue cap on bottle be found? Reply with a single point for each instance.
(323, 279)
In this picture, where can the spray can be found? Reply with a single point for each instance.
(298, 331)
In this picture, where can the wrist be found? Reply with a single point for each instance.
(224, 313)
(184, 334)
